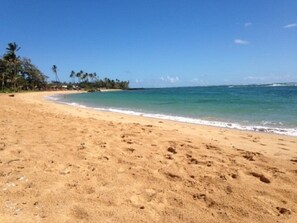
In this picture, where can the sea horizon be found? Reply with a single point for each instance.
(269, 84)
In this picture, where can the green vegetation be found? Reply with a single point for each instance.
(90, 81)
(19, 74)
(55, 70)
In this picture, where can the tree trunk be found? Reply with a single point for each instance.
(2, 81)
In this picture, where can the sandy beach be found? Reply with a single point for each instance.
(60, 163)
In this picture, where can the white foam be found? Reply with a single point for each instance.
(284, 131)
(53, 97)
(282, 85)
(75, 104)
(257, 128)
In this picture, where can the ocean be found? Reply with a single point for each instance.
(264, 108)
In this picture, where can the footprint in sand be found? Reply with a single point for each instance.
(2, 146)
(234, 175)
(172, 176)
(250, 156)
(212, 147)
(283, 210)
(261, 177)
(199, 197)
(191, 160)
(171, 150)
(130, 150)
(209, 202)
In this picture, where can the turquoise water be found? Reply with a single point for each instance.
(269, 108)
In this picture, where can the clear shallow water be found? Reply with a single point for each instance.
(269, 108)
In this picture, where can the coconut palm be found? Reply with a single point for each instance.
(13, 63)
(11, 49)
(19, 73)
(72, 76)
(85, 77)
(90, 75)
(79, 75)
(95, 76)
(55, 70)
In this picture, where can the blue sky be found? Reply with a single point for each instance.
(158, 43)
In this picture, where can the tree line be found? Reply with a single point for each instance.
(18, 73)
(91, 80)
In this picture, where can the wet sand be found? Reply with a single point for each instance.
(60, 163)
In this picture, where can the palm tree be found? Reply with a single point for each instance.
(90, 75)
(85, 77)
(13, 62)
(72, 75)
(11, 51)
(55, 70)
(95, 76)
(19, 73)
(79, 75)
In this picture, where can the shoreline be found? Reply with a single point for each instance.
(60, 163)
(187, 120)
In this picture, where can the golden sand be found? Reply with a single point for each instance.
(60, 163)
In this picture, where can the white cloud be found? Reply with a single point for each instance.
(170, 79)
(241, 42)
(290, 26)
(247, 24)
(138, 81)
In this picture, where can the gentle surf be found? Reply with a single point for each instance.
(264, 108)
